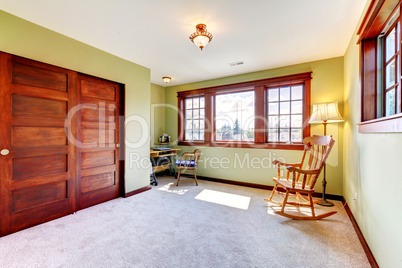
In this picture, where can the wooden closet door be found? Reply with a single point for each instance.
(37, 162)
(99, 177)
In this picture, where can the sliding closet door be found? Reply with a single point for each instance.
(37, 162)
(98, 178)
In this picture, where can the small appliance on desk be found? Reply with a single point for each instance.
(164, 140)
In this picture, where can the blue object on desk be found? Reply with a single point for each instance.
(161, 149)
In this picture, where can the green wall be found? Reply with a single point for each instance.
(327, 85)
(157, 112)
(371, 169)
(23, 38)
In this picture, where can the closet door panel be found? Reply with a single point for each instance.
(99, 178)
(37, 175)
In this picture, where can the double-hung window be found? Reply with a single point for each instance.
(285, 114)
(269, 113)
(195, 118)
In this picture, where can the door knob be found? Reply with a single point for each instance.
(118, 145)
(4, 152)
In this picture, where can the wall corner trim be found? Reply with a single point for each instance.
(138, 191)
(359, 233)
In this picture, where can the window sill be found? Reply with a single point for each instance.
(278, 146)
(389, 124)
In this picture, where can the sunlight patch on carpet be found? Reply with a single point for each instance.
(226, 199)
(168, 188)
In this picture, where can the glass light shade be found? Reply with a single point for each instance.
(325, 112)
(201, 41)
(166, 79)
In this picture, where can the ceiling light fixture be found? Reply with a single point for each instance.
(166, 79)
(201, 37)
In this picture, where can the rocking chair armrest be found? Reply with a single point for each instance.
(303, 171)
(279, 163)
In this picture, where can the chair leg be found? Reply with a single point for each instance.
(284, 201)
(311, 204)
(273, 192)
(178, 177)
(195, 178)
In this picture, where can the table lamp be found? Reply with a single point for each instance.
(325, 113)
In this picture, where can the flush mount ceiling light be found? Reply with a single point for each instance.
(166, 79)
(201, 37)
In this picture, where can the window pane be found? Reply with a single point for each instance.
(285, 107)
(272, 134)
(202, 102)
(284, 135)
(390, 102)
(196, 135)
(297, 92)
(273, 121)
(297, 121)
(296, 135)
(234, 116)
(189, 135)
(189, 124)
(390, 45)
(196, 103)
(273, 94)
(285, 93)
(390, 74)
(284, 121)
(196, 124)
(189, 114)
(273, 108)
(196, 113)
(297, 107)
(398, 30)
(202, 113)
(202, 124)
(189, 103)
(202, 135)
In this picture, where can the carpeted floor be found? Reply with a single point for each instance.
(212, 225)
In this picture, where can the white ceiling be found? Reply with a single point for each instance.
(154, 33)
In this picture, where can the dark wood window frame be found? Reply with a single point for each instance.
(379, 15)
(260, 94)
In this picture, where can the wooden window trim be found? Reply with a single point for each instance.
(260, 93)
(377, 16)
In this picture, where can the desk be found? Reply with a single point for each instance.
(165, 153)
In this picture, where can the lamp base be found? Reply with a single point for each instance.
(325, 203)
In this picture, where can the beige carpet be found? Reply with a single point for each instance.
(212, 225)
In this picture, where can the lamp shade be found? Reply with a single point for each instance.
(166, 79)
(325, 112)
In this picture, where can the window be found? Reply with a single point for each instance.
(234, 118)
(267, 113)
(380, 41)
(285, 114)
(195, 115)
(390, 68)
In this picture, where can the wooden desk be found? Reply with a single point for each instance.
(165, 153)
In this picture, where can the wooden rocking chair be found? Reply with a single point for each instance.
(304, 177)
(187, 164)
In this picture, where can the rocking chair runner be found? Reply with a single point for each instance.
(303, 179)
(187, 164)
